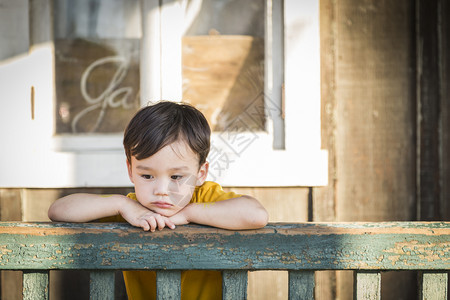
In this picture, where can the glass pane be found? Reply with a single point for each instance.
(223, 62)
(96, 64)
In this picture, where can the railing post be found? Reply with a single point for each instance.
(102, 285)
(35, 285)
(434, 286)
(367, 285)
(168, 285)
(234, 284)
(301, 285)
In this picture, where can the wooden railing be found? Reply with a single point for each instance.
(366, 248)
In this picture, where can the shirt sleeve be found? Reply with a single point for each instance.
(211, 192)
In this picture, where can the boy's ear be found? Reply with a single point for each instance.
(129, 171)
(202, 174)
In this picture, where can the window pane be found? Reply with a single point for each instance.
(96, 64)
(223, 62)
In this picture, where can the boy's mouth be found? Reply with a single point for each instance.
(162, 204)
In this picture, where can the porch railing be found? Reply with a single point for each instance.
(300, 248)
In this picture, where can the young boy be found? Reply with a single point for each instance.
(166, 146)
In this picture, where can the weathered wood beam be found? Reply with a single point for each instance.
(367, 285)
(282, 246)
(102, 285)
(301, 285)
(35, 285)
(434, 286)
(234, 284)
(428, 109)
(168, 285)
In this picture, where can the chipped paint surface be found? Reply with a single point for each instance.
(278, 246)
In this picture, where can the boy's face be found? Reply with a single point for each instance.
(165, 181)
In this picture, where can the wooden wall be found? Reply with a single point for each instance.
(385, 121)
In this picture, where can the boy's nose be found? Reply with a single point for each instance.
(161, 188)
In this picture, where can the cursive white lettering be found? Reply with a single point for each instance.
(111, 97)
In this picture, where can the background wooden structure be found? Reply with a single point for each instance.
(385, 123)
(385, 113)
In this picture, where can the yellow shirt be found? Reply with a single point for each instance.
(195, 284)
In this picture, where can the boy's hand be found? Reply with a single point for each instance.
(139, 216)
(180, 218)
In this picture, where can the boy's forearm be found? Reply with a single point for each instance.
(85, 207)
(235, 214)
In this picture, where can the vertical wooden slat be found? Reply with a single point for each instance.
(301, 285)
(234, 284)
(428, 109)
(11, 210)
(102, 285)
(434, 286)
(367, 285)
(444, 34)
(168, 285)
(35, 285)
(324, 198)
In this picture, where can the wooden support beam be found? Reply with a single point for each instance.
(301, 285)
(168, 285)
(428, 109)
(234, 284)
(102, 285)
(35, 285)
(434, 286)
(367, 285)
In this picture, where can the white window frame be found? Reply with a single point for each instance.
(287, 154)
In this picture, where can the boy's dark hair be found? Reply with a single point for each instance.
(158, 125)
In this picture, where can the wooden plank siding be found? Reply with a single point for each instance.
(324, 198)
(444, 129)
(368, 122)
(428, 109)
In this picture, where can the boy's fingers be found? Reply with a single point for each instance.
(144, 225)
(170, 224)
(151, 222)
(161, 223)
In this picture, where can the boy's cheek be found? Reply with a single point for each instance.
(181, 200)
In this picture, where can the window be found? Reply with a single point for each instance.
(96, 65)
(253, 70)
(267, 131)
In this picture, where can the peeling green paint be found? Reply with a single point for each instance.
(281, 246)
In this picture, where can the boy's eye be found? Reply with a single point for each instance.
(176, 177)
(147, 176)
